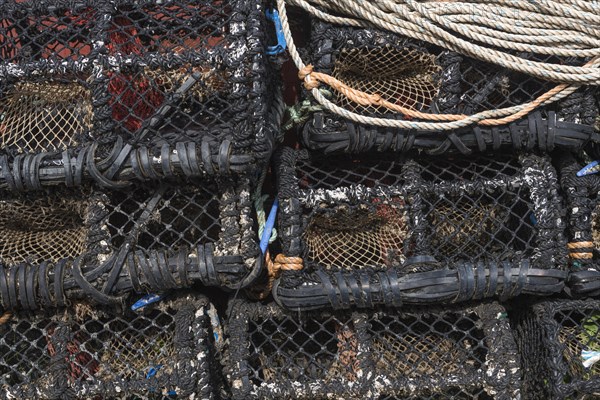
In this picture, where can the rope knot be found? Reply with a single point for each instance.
(305, 74)
(288, 263)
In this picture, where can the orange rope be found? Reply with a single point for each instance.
(274, 268)
(5, 317)
(312, 80)
(580, 255)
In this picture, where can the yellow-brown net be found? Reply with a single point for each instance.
(412, 356)
(209, 83)
(44, 229)
(359, 237)
(462, 228)
(40, 117)
(402, 76)
(132, 354)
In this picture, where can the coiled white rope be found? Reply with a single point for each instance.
(566, 28)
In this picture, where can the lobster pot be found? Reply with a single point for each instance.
(456, 352)
(387, 230)
(149, 73)
(102, 245)
(93, 352)
(584, 226)
(559, 343)
(422, 77)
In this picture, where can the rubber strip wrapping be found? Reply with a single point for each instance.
(464, 86)
(443, 232)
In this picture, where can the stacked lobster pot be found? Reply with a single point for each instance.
(133, 138)
(406, 223)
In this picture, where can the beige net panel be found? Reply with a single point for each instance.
(463, 228)
(576, 340)
(45, 229)
(412, 356)
(210, 82)
(40, 117)
(596, 227)
(359, 238)
(132, 354)
(406, 77)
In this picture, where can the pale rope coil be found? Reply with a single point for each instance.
(489, 117)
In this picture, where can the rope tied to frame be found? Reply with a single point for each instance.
(576, 247)
(274, 268)
(422, 21)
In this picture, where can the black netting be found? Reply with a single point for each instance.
(584, 225)
(378, 229)
(87, 351)
(380, 354)
(100, 245)
(152, 74)
(559, 341)
(423, 77)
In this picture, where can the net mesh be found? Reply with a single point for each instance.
(94, 352)
(402, 76)
(389, 210)
(43, 229)
(321, 354)
(103, 345)
(414, 346)
(358, 238)
(182, 217)
(579, 332)
(136, 97)
(40, 117)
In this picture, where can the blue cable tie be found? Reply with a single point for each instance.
(281, 45)
(589, 169)
(266, 236)
(146, 300)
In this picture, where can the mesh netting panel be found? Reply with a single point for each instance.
(578, 333)
(377, 227)
(420, 230)
(358, 238)
(414, 347)
(424, 353)
(62, 33)
(181, 217)
(406, 77)
(137, 97)
(93, 352)
(43, 229)
(560, 344)
(286, 349)
(44, 116)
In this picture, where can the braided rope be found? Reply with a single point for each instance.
(4, 318)
(572, 77)
(579, 254)
(274, 268)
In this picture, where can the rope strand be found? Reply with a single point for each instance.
(559, 30)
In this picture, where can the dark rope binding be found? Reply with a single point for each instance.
(379, 230)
